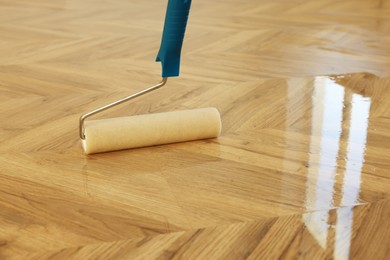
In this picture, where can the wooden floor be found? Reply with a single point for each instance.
(302, 169)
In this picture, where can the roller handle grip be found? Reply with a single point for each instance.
(173, 35)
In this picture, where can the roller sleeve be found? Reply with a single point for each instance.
(152, 129)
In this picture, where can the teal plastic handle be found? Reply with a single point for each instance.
(173, 35)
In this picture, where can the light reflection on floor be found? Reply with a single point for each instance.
(338, 130)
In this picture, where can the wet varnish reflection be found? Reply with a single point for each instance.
(338, 130)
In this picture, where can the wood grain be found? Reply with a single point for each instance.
(301, 169)
(284, 237)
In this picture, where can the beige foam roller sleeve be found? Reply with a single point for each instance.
(152, 129)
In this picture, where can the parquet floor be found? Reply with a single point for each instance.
(302, 169)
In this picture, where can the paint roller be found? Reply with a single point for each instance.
(120, 133)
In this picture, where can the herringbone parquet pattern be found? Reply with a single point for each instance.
(301, 169)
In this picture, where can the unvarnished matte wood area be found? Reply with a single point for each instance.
(301, 169)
